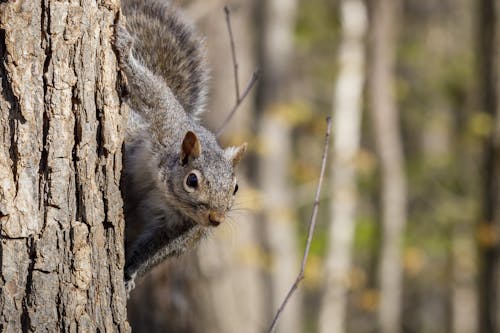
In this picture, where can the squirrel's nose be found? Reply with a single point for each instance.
(216, 218)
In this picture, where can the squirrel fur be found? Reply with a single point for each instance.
(177, 181)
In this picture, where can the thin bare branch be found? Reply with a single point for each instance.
(312, 225)
(251, 83)
(231, 113)
(233, 53)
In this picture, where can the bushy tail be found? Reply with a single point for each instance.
(170, 47)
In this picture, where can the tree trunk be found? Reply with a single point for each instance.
(347, 122)
(389, 148)
(464, 296)
(489, 71)
(275, 160)
(61, 133)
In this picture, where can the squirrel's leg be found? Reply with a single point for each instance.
(149, 92)
(156, 244)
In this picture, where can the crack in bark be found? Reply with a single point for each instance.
(75, 100)
(43, 170)
(2, 236)
(26, 302)
(14, 111)
(101, 151)
(42, 166)
(106, 223)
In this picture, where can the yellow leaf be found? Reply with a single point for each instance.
(414, 260)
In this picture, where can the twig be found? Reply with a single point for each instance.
(233, 52)
(251, 83)
(312, 225)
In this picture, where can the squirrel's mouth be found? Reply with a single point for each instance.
(214, 223)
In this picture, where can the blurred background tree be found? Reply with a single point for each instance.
(411, 240)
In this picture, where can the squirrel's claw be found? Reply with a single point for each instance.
(123, 43)
(130, 284)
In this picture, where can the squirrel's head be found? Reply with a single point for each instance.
(205, 184)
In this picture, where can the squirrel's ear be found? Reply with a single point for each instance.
(190, 147)
(235, 154)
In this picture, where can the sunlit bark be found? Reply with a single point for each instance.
(61, 132)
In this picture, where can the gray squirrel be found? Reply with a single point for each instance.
(177, 181)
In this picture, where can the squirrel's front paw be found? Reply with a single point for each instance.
(123, 42)
(129, 284)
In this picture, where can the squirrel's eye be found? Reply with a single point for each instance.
(192, 181)
(235, 189)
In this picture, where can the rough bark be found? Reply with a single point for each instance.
(275, 135)
(382, 102)
(347, 123)
(489, 71)
(61, 132)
